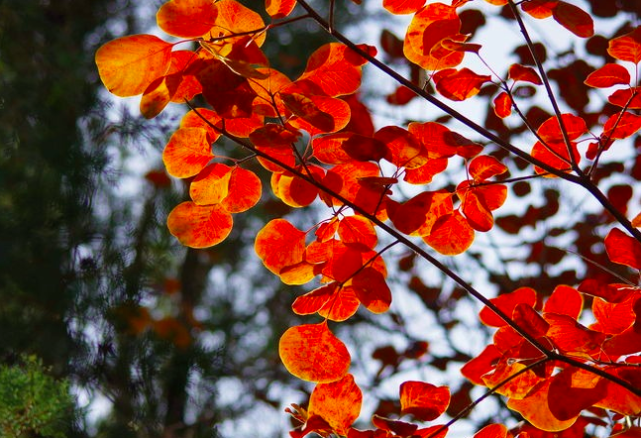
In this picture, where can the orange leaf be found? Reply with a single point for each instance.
(235, 19)
(516, 388)
(607, 76)
(535, 409)
(338, 403)
(318, 114)
(569, 336)
(620, 126)
(128, 65)
(187, 152)
(294, 190)
(313, 301)
(623, 249)
(502, 105)
(424, 400)
(451, 234)
(343, 147)
(199, 226)
(507, 303)
(482, 364)
(357, 229)
(438, 139)
(554, 155)
(403, 149)
(279, 8)
(311, 352)
(459, 85)
(574, 19)
(403, 6)
(335, 68)
(245, 190)
(425, 173)
(187, 18)
(564, 300)
(211, 185)
(342, 306)
(279, 245)
(158, 95)
(417, 216)
(627, 47)
(429, 26)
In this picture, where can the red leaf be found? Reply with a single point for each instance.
(507, 303)
(279, 8)
(485, 166)
(569, 336)
(313, 301)
(417, 216)
(518, 72)
(428, 28)
(311, 352)
(620, 126)
(438, 139)
(342, 306)
(199, 226)
(459, 85)
(502, 105)
(607, 76)
(564, 300)
(555, 155)
(627, 47)
(338, 403)
(451, 234)
(629, 98)
(424, 400)
(403, 6)
(481, 365)
(539, 8)
(573, 390)
(623, 249)
(372, 290)
(403, 148)
(550, 131)
(492, 431)
(574, 19)
(357, 229)
(187, 18)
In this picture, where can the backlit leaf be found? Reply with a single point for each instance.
(199, 226)
(569, 336)
(492, 431)
(403, 149)
(607, 76)
(535, 409)
(187, 152)
(279, 244)
(629, 98)
(128, 65)
(451, 234)
(211, 185)
(550, 131)
(424, 401)
(235, 19)
(573, 390)
(403, 6)
(312, 301)
(555, 155)
(507, 303)
(342, 306)
(429, 26)
(623, 249)
(279, 8)
(620, 126)
(627, 47)
(357, 229)
(338, 403)
(459, 85)
(245, 190)
(540, 8)
(311, 352)
(372, 290)
(564, 300)
(187, 18)
(502, 105)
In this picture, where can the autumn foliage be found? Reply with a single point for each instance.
(567, 358)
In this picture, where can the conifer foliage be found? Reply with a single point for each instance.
(315, 138)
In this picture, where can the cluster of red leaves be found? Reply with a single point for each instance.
(342, 166)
